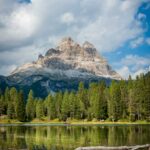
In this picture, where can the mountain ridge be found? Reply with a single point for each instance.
(72, 58)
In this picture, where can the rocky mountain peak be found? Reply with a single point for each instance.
(65, 44)
(40, 56)
(71, 49)
(51, 52)
(67, 39)
(71, 59)
(88, 45)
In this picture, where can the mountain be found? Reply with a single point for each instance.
(62, 68)
(69, 59)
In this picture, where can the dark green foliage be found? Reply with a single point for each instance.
(20, 107)
(65, 109)
(50, 107)
(83, 100)
(39, 109)
(58, 102)
(10, 111)
(124, 99)
(30, 106)
(128, 100)
(2, 105)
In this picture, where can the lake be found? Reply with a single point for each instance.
(61, 137)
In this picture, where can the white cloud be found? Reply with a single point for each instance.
(135, 60)
(141, 16)
(137, 42)
(124, 72)
(107, 24)
(10, 59)
(6, 69)
(67, 18)
(133, 65)
(17, 27)
(141, 71)
(114, 26)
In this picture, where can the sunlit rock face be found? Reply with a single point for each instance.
(71, 60)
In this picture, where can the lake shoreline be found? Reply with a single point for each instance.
(136, 147)
(53, 122)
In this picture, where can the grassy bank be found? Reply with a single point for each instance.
(71, 122)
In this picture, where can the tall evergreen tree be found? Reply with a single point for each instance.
(39, 109)
(114, 108)
(72, 105)
(10, 111)
(50, 107)
(102, 100)
(2, 105)
(124, 99)
(20, 107)
(7, 95)
(83, 99)
(146, 97)
(65, 109)
(30, 106)
(94, 108)
(58, 102)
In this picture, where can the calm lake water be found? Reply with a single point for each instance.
(70, 137)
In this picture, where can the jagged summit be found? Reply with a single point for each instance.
(88, 45)
(66, 44)
(70, 59)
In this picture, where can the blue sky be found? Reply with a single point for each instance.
(119, 29)
(134, 56)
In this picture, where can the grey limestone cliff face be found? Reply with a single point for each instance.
(69, 56)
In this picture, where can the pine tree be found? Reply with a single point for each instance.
(114, 108)
(50, 107)
(131, 98)
(102, 101)
(20, 107)
(10, 110)
(124, 99)
(140, 87)
(83, 99)
(80, 113)
(72, 105)
(13, 100)
(3, 105)
(65, 109)
(30, 106)
(147, 97)
(7, 95)
(58, 102)
(39, 109)
(94, 101)
(2, 108)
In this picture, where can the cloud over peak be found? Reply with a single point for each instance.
(107, 24)
(133, 65)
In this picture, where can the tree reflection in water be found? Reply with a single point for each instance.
(71, 137)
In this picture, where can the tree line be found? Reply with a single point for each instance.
(122, 100)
